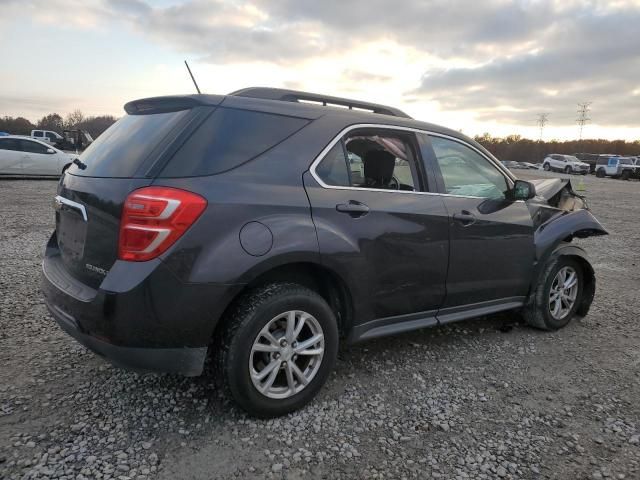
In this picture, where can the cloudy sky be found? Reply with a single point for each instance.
(478, 66)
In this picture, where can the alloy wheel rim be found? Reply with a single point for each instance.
(286, 355)
(563, 293)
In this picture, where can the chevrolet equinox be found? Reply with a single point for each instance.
(267, 225)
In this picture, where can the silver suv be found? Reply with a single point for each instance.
(564, 163)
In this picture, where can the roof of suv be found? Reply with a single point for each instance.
(292, 103)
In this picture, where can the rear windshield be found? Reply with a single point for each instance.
(229, 138)
(122, 148)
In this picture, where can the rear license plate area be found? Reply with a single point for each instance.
(72, 233)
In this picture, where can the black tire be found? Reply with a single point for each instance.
(600, 173)
(546, 167)
(252, 312)
(537, 312)
(626, 174)
(568, 170)
(65, 168)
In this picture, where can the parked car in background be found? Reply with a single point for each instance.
(234, 224)
(4, 134)
(48, 136)
(532, 166)
(510, 164)
(74, 140)
(564, 163)
(617, 166)
(589, 158)
(27, 156)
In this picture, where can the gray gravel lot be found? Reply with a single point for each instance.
(487, 398)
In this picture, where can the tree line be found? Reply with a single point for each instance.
(512, 147)
(95, 125)
(518, 149)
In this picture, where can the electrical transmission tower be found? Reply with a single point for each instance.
(543, 118)
(582, 120)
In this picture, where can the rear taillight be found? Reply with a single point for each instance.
(153, 218)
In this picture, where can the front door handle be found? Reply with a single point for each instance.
(465, 217)
(353, 208)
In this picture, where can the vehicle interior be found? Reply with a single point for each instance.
(383, 162)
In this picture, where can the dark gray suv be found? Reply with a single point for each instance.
(266, 225)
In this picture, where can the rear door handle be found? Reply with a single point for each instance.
(353, 208)
(465, 218)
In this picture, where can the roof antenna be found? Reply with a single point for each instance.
(194, 80)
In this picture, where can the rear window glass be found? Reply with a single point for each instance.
(124, 146)
(229, 138)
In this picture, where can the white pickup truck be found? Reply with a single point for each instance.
(47, 136)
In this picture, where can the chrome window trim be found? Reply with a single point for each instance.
(60, 200)
(312, 169)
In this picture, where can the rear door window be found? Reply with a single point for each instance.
(122, 148)
(373, 160)
(229, 138)
(33, 147)
(332, 170)
(9, 144)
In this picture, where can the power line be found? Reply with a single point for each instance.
(543, 118)
(582, 120)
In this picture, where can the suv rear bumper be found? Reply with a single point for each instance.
(184, 361)
(142, 316)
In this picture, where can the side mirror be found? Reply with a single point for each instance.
(523, 190)
(50, 150)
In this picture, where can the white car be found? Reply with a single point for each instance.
(47, 136)
(564, 163)
(26, 156)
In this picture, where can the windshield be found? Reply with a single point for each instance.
(572, 158)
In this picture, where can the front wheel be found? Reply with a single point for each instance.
(600, 173)
(568, 170)
(557, 296)
(546, 167)
(279, 347)
(626, 174)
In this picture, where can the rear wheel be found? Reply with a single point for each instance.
(600, 173)
(557, 296)
(279, 346)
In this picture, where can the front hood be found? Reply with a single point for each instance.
(554, 197)
(546, 188)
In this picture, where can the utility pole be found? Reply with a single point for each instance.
(582, 120)
(543, 118)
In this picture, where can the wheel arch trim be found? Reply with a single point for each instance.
(270, 268)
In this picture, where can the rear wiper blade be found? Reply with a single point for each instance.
(81, 165)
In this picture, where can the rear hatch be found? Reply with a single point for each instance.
(165, 139)
(92, 192)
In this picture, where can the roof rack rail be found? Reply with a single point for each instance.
(325, 100)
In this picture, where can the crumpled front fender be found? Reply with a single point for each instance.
(564, 227)
(551, 241)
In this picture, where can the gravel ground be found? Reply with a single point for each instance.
(487, 398)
